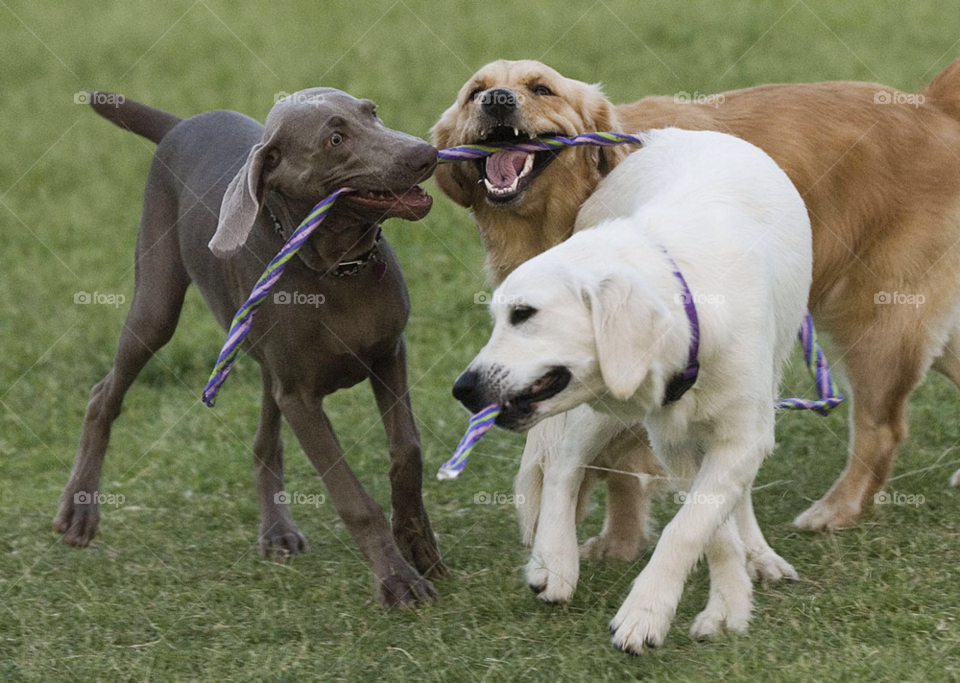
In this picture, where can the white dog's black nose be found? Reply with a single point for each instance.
(498, 103)
(466, 390)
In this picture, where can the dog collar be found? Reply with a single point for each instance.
(347, 268)
(681, 382)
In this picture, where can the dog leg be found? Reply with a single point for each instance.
(731, 593)
(543, 438)
(279, 535)
(554, 565)
(161, 282)
(411, 526)
(724, 477)
(626, 526)
(879, 407)
(948, 365)
(763, 564)
(398, 584)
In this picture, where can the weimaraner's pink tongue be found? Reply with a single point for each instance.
(504, 167)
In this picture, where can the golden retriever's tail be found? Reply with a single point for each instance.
(944, 90)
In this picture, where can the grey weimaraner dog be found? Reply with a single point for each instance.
(223, 180)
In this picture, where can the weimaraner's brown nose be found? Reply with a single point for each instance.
(423, 161)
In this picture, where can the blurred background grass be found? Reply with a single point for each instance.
(172, 588)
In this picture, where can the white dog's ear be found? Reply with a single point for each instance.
(629, 322)
(241, 204)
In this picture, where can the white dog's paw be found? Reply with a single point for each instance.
(639, 627)
(720, 617)
(955, 479)
(552, 582)
(768, 567)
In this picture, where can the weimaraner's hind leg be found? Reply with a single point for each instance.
(279, 534)
(160, 284)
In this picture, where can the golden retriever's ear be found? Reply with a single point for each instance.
(629, 322)
(457, 180)
(601, 115)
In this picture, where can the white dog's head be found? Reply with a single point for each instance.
(573, 325)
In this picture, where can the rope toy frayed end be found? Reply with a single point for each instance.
(480, 424)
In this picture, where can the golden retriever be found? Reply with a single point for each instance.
(879, 172)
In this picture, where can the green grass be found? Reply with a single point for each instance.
(173, 589)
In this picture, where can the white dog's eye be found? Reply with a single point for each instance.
(521, 314)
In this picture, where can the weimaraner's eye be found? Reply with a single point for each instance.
(272, 159)
(336, 139)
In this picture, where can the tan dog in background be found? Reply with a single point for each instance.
(879, 172)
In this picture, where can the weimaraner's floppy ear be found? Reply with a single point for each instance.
(629, 322)
(241, 205)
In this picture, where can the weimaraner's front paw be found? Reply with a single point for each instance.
(280, 540)
(77, 517)
(403, 587)
(418, 544)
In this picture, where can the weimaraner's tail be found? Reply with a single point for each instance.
(151, 123)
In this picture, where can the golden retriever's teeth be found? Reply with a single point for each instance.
(532, 136)
(527, 167)
(516, 132)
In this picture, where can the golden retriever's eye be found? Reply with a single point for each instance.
(475, 93)
(521, 314)
(542, 90)
(336, 139)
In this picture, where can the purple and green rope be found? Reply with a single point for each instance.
(243, 320)
(829, 395)
(480, 424)
(468, 152)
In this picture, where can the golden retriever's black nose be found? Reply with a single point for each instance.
(465, 391)
(498, 103)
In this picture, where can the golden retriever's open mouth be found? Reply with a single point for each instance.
(505, 175)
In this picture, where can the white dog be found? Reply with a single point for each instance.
(601, 326)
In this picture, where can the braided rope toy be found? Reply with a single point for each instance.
(480, 424)
(243, 320)
(830, 396)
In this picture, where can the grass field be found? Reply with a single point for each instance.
(172, 588)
